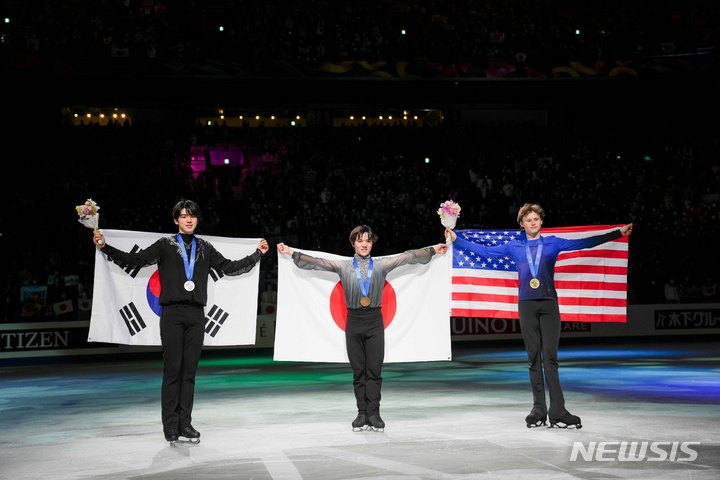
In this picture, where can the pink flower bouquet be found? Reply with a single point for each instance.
(449, 212)
(88, 214)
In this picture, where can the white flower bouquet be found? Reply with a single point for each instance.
(449, 212)
(88, 214)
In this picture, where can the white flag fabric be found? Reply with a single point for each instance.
(125, 308)
(416, 310)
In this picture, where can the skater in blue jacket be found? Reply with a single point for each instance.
(535, 256)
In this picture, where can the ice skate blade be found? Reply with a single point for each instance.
(571, 426)
(374, 429)
(537, 424)
(359, 429)
(184, 442)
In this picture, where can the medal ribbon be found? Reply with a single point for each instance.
(538, 254)
(189, 264)
(364, 286)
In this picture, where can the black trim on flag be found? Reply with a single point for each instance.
(214, 320)
(133, 320)
(216, 274)
(133, 271)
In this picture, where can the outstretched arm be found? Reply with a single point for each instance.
(308, 262)
(140, 258)
(478, 248)
(419, 255)
(590, 242)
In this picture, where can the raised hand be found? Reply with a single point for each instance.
(440, 248)
(263, 246)
(284, 249)
(98, 239)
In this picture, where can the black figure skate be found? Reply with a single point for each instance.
(360, 423)
(536, 418)
(187, 435)
(567, 420)
(376, 423)
(171, 436)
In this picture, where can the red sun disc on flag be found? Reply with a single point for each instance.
(338, 310)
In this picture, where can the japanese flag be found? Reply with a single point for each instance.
(311, 312)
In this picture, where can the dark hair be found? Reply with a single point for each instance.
(359, 231)
(190, 207)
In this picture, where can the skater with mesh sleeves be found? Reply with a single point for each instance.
(535, 256)
(184, 262)
(363, 280)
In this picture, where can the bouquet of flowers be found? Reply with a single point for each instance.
(88, 213)
(449, 212)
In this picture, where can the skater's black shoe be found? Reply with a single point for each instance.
(189, 432)
(359, 423)
(171, 435)
(536, 418)
(567, 420)
(376, 423)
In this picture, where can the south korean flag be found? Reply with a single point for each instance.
(126, 308)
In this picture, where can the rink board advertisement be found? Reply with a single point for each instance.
(53, 338)
(643, 321)
(126, 308)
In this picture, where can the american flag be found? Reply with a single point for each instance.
(591, 283)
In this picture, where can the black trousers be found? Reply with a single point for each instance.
(540, 327)
(365, 342)
(182, 331)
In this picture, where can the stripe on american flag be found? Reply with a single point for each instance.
(591, 283)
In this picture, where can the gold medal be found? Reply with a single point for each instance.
(365, 302)
(534, 283)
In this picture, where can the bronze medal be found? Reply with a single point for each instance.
(534, 283)
(365, 302)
